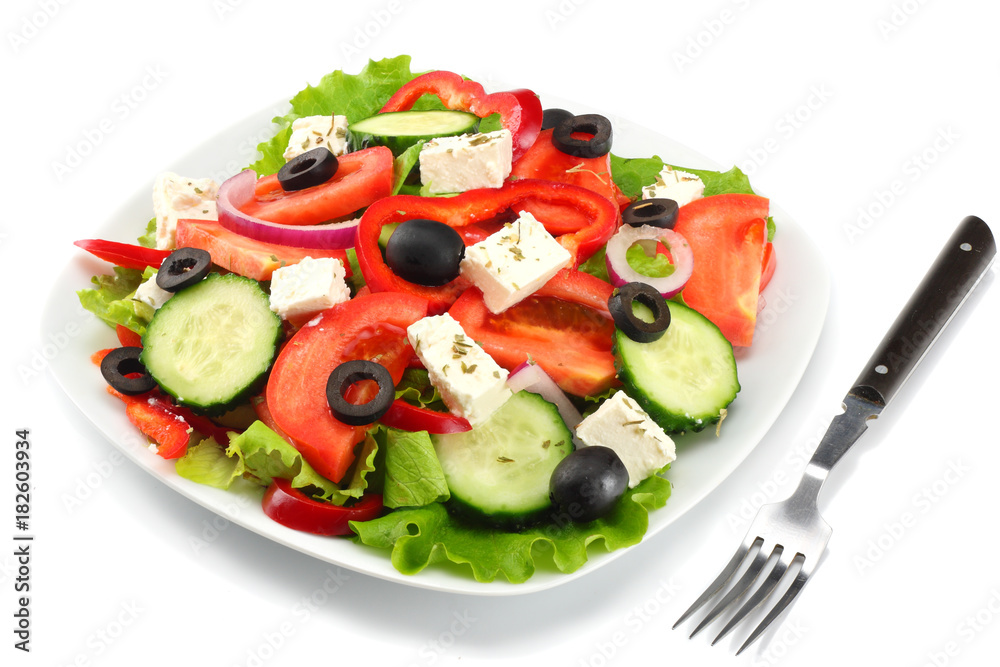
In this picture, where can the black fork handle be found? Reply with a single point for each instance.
(957, 270)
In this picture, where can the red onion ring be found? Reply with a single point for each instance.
(236, 191)
(680, 251)
(532, 377)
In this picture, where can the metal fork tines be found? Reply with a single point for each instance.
(780, 551)
(787, 539)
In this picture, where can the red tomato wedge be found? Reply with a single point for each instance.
(292, 508)
(727, 234)
(371, 327)
(243, 255)
(565, 327)
(362, 177)
(127, 337)
(544, 161)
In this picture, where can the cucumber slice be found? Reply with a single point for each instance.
(401, 129)
(211, 344)
(500, 471)
(684, 379)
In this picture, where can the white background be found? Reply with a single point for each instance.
(825, 104)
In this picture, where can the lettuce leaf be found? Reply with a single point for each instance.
(403, 164)
(733, 181)
(260, 454)
(415, 388)
(423, 536)
(111, 299)
(630, 174)
(413, 474)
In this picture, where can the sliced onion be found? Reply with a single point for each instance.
(235, 192)
(532, 377)
(680, 251)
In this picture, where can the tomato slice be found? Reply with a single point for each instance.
(728, 235)
(407, 417)
(565, 327)
(243, 255)
(371, 327)
(127, 337)
(292, 508)
(362, 177)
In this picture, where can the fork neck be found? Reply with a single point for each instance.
(860, 405)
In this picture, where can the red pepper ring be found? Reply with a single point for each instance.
(124, 254)
(470, 208)
(520, 110)
(293, 509)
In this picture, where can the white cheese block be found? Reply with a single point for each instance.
(150, 294)
(317, 131)
(513, 263)
(470, 382)
(176, 198)
(466, 162)
(680, 186)
(623, 426)
(308, 287)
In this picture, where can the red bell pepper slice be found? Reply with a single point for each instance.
(543, 160)
(520, 110)
(362, 177)
(124, 254)
(728, 236)
(293, 509)
(465, 212)
(371, 327)
(407, 417)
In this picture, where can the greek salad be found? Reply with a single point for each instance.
(446, 323)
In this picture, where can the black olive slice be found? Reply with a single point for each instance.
(552, 117)
(425, 252)
(124, 361)
(654, 212)
(588, 483)
(313, 167)
(620, 305)
(346, 374)
(182, 268)
(591, 123)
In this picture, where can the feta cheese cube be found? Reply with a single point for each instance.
(307, 287)
(623, 426)
(150, 294)
(511, 264)
(176, 197)
(470, 382)
(466, 162)
(316, 131)
(680, 186)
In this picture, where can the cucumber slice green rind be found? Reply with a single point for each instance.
(212, 344)
(499, 471)
(398, 130)
(684, 379)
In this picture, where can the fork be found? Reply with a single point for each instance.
(787, 539)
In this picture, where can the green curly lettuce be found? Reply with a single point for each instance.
(423, 536)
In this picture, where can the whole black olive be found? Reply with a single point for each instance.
(425, 252)
(588, 482)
